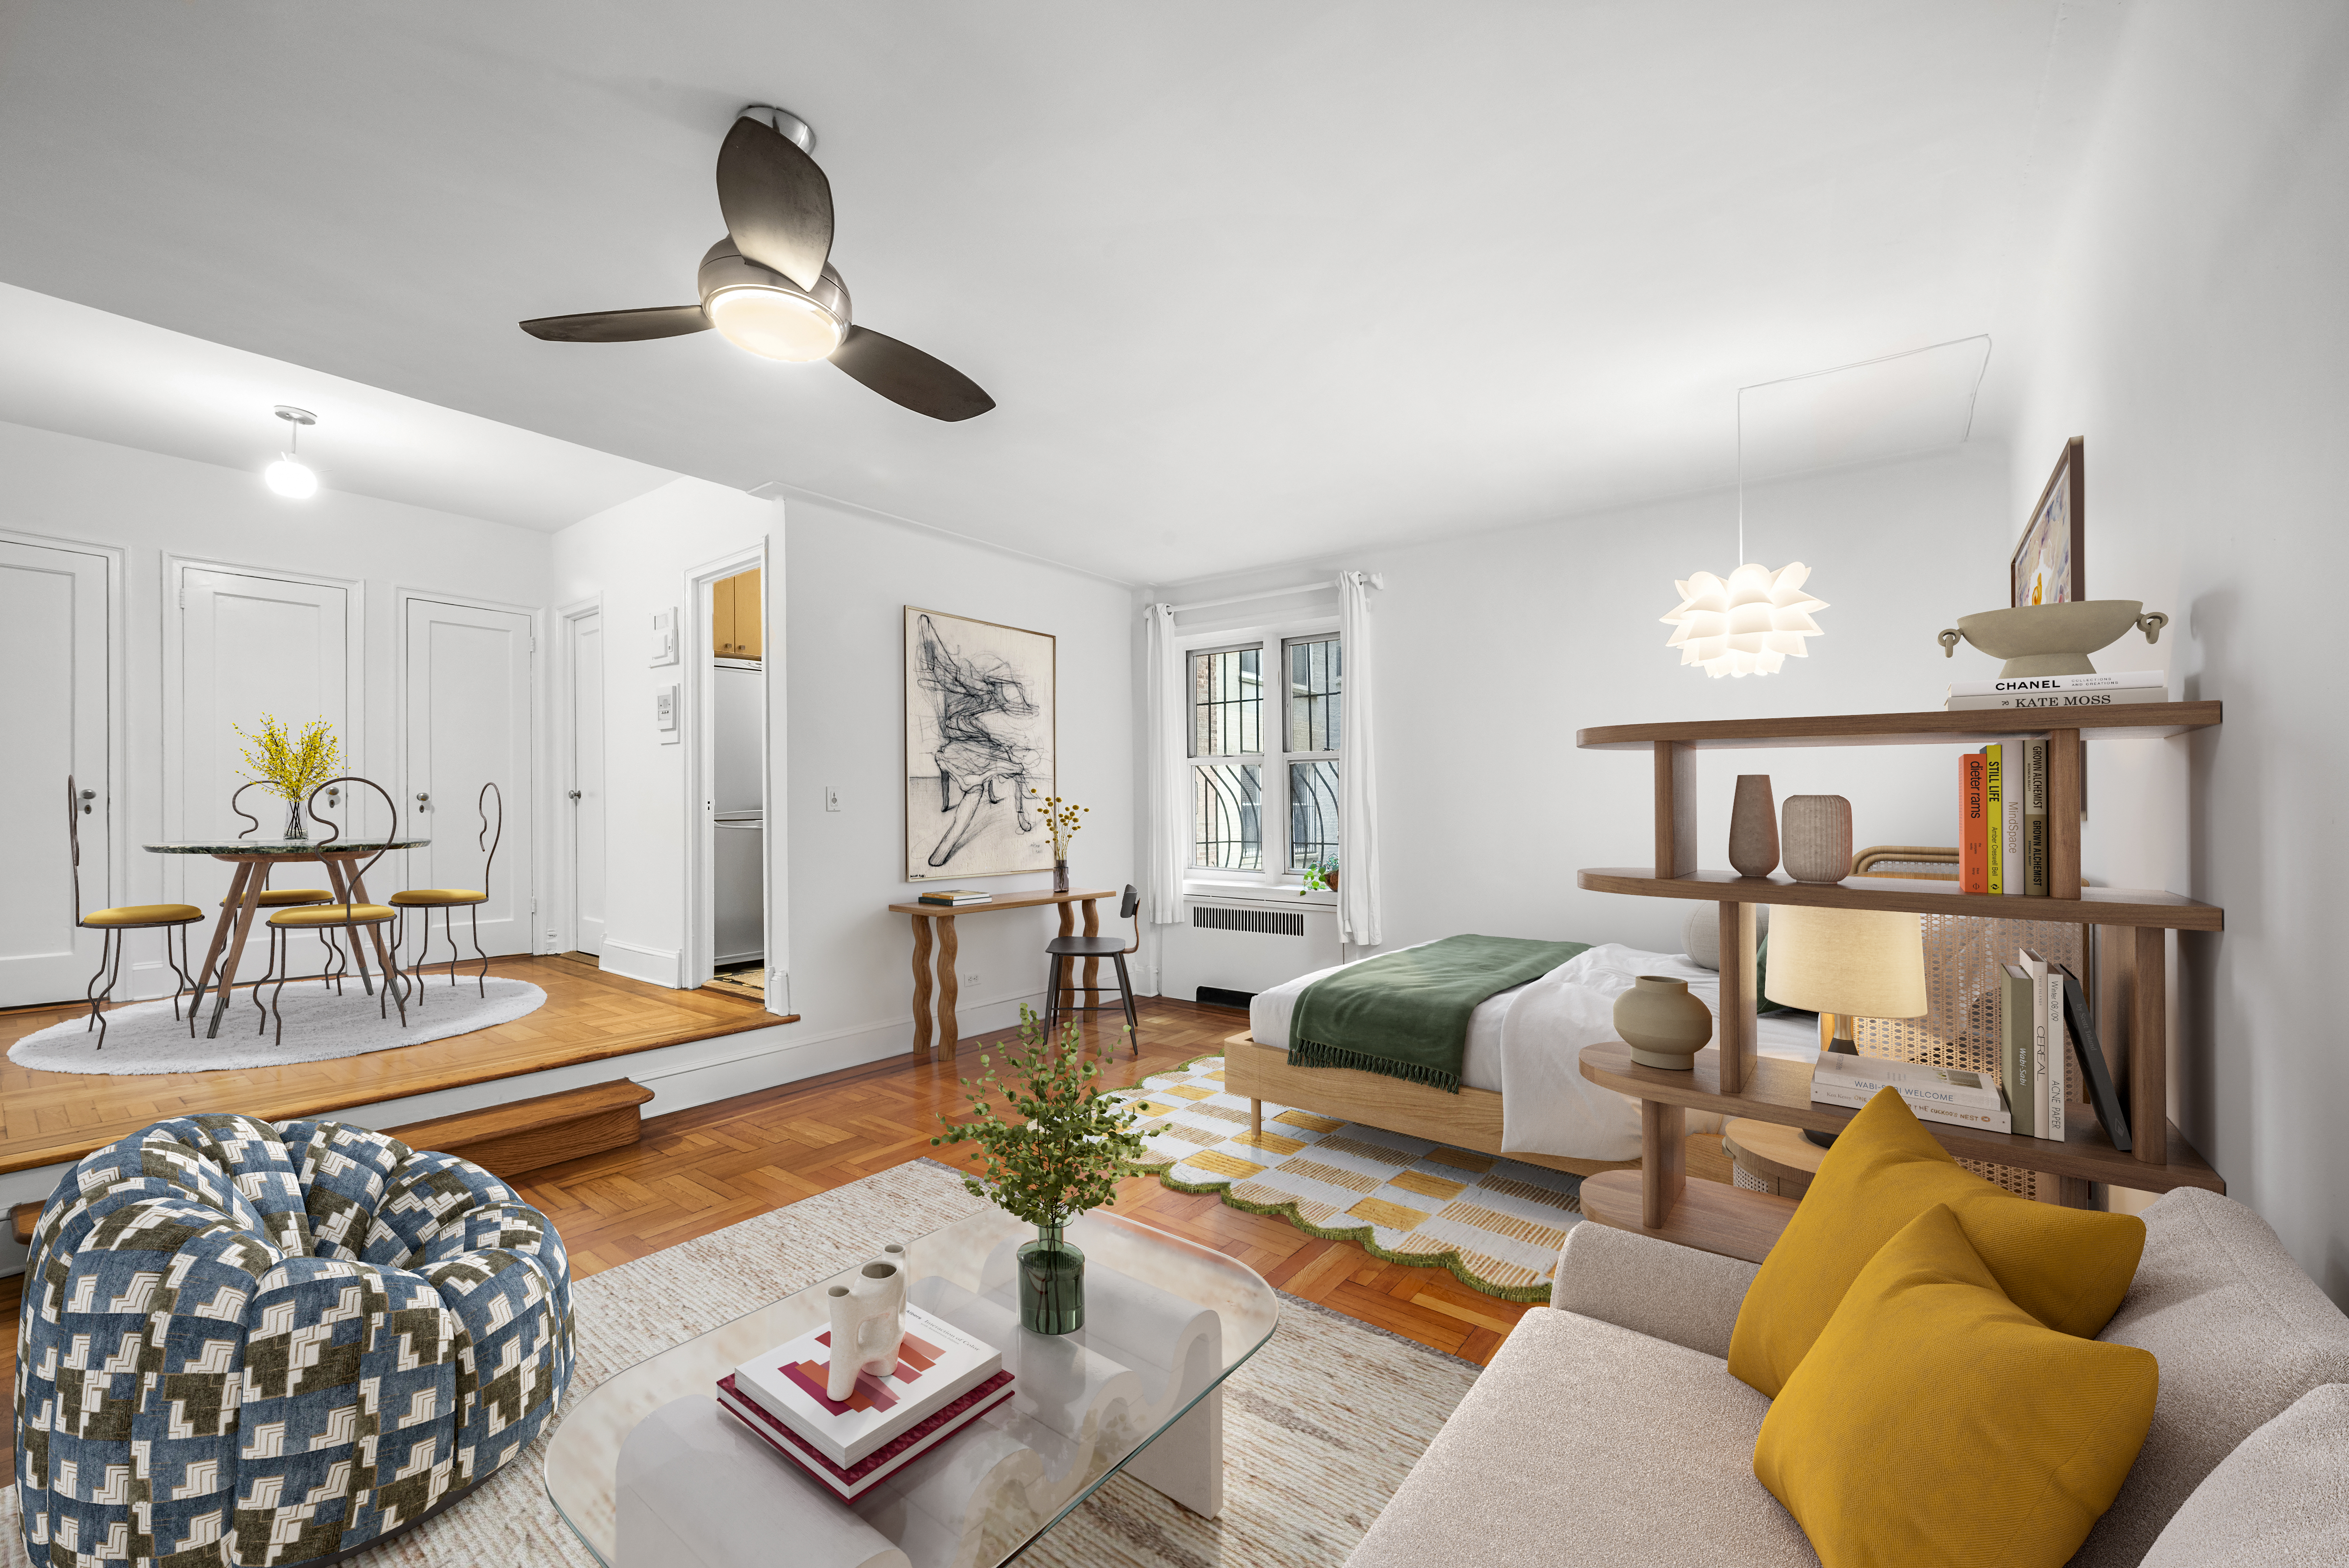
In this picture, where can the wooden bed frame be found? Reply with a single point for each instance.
(1469, 1120)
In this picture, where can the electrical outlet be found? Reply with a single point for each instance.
(831, 799)
(971, 978)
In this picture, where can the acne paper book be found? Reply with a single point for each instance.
(936, 1365)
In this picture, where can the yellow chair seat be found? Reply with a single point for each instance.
(287, 897)
(435, 897)
(143, 915)
(318, 914)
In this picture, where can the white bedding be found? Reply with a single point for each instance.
(1525, 1043)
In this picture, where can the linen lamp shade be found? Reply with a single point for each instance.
(1865, 962)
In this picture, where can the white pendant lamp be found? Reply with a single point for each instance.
(288, 476)
(1747, 623)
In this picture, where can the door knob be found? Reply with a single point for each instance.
(422, 795)
(575, 794)
(87, 797)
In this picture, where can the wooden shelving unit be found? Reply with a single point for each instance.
(1734, 1079)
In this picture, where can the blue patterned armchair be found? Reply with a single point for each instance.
(282, 1342)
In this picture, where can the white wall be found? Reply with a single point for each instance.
(2196, 333)
(1495, 648)
(66, 487)
(852, 576)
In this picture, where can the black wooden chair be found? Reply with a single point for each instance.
(1062, 949)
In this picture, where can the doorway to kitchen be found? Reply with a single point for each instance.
(730, 894)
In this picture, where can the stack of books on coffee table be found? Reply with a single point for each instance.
(945, 1379)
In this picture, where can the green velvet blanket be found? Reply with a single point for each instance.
(1406, 1014)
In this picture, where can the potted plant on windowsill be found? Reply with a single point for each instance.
(1320, 876)
(1062, 1156)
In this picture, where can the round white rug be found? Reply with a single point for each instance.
(144, 1038)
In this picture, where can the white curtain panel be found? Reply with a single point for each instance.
(1170, 801)
(1358, 781)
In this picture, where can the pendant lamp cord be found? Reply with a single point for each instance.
(1741, 475)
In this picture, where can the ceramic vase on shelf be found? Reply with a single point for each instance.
(1818, 838)
(1061, 876)
(1052, 1283)
(868, 1324)
(1663, 1025)
(1753, 827)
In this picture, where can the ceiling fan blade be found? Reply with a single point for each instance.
(777, 202)
(906, 376)
(620, 325)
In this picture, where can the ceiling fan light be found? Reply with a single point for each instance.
(290, 479)
(777, 324)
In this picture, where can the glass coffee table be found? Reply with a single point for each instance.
(648, 1470)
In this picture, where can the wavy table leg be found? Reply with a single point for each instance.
(950, 1036)
(921, 982)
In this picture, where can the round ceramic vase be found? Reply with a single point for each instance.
(1818, 838)
(1663, 1025)
(1753, 827)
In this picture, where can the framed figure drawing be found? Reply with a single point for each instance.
(2046, 567)
(978, 736)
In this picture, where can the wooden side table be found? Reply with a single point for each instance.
(1772, 1157)
(942, 916)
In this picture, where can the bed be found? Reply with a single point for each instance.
(1522, 1092)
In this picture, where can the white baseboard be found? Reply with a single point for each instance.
(653, 965)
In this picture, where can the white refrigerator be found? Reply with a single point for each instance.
(740, 929)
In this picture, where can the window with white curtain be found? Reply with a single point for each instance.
(1266, 725)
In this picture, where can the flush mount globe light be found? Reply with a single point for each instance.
(770, 288)
(288, 476)
(1746, 625)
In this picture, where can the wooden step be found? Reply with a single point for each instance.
(530, 1134)
(504, 1140)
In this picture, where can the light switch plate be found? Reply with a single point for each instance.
(831, 799)
(665, 713)
(664, 645)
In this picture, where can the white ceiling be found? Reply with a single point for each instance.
(1247, 282)
(66, 367)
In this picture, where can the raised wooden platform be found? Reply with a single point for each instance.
(46, 1118)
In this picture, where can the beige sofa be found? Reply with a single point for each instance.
(1608, 1430)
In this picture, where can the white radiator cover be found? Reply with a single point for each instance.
(1243, 960)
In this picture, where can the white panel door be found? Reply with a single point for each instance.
(468, 725)
(585, 789)
(53, 649)
(250, 645)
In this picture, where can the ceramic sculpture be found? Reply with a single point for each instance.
(1663, 1025)
(1818, 838)
(868, 1323)
(1753, 827)
(2052, 639)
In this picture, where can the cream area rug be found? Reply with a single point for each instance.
(1320, 1426)
(1497, 1224)
(144, 1038)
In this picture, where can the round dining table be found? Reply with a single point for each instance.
(253, 860)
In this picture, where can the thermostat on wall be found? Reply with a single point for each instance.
(664, 638)
(665, 713)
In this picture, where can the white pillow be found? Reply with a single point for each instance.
(2280, 1499)
(1702, 933)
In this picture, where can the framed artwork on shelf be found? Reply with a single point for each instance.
(979, 737)
(2046, 567)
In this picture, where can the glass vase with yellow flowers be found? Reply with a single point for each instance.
(1065, 820)
(292, 764)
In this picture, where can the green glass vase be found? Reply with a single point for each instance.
(1051, 1283)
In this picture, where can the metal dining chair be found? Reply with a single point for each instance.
(112, 922)
(348, 919)
(1062, 950)
(448, 900)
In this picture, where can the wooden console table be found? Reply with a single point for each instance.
(926, 915)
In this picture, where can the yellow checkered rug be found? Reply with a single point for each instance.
(1495, 1223)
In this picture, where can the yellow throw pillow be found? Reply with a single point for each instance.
(2067, 1267)
(1937, 1422)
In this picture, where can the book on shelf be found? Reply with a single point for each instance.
(2093, 1066)
(2038, 699)
(2011, 686)
(938, 1363)
(2048, 1077)
(1973, 823)
(955, 896)
(1995, 818)
(1914, 1080)
(2014, 1044)
(849, 1482)
(2035, 817)
(1999, 1120)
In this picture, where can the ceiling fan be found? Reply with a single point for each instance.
(766, 287)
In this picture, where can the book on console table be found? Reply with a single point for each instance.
(1948, 1095)
(849, 1482)
(955, 896)
(938, 1363)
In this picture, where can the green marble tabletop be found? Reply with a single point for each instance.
(284, 849)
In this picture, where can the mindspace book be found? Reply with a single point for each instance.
(936, 1365)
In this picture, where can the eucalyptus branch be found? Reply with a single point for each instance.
(1072, 1141)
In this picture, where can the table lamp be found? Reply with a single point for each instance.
(1844, 964)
